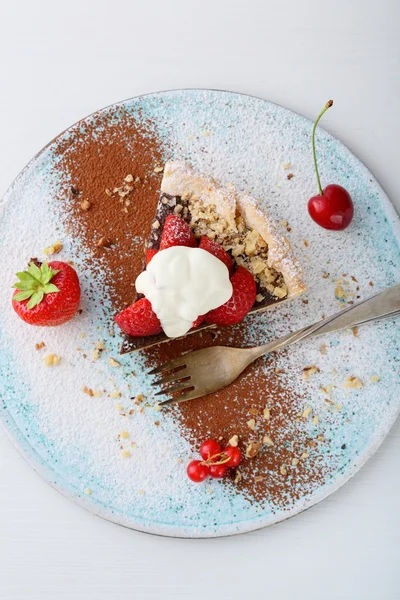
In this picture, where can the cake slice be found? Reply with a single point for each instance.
(234, 221)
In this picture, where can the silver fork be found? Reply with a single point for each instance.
(202, 372)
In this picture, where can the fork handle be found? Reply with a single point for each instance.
(384, 304)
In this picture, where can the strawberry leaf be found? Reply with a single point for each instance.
(34, 283)
(50, 288)
(22, 296)
(36, 299)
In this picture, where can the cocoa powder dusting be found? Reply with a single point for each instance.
(110, 190)
(109, 169)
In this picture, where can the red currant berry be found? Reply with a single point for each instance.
(234, 454)
(217, 471)
(197, 471)
(209, 448)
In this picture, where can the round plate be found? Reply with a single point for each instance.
(74, 441)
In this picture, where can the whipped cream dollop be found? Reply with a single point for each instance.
(183, 283)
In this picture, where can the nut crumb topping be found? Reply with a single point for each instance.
(113, 363)
(267, 440)
(88, 391)
(234, 441)
(353, 382)
(308, 371)
(251, 424)
(253, 449)
(238, 476)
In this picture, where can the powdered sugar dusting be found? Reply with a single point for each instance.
(75, 439)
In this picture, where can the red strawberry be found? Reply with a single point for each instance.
(139, 319)
(241, 301)
(47, 294)
(217, 250)
(149, 255)
(177, 233)
(199, 321)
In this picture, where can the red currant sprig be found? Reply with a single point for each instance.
(215, 461)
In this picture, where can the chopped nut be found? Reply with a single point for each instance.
(290, 176)
(40, 346)
(253, 449)
(315, 420)
(260, 297)
(266, 414)
(140, 492)
(304, 455)
(253, 411)
(308, 371)
(295, 461)
(139, 398)
(125, 454)
(267, 441)
(238, 476)
(108, 192)
(375, 378)
(116, 394)
(283, 223)
(355, 331)
(124, 434)
(51, 360)
(307, 412)
(97, 393)
(251, 424)
(259, 478)
(157, 423)
(104, 242)
(321, 438)
(305, 242)
(113, 363)
(88, 391)
(85, 205)
(87, 491)
(157, 407)
(338, 406)
(119, 407)
(53, 249)
(128, 178)
(233, 441)
(100, 345)
(323, 349)
(286, 166)
(353, 383)
(95, 354)
(326, 389)
(283, 470)
(325, 275)
(158, 169)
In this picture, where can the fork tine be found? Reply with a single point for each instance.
(190, 395)
(175, 388)
(169, 378)
(171, 364)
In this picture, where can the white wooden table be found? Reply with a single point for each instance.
(62, 60)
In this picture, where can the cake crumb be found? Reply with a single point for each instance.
(308, 371)
(88, 391)
(53, 249)
(51, 360)
(353, 382)
(113, 363)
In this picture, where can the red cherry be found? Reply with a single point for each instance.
(197, 471)
(235, 456)
(210, 448)
(333, 209)
(217, 471)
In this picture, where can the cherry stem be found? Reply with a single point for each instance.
(210, 460)
(323, 111)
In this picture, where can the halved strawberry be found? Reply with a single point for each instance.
(139, 319)
(241, 301)
(177, 232)
(47, 294)
(217, 250)
(149, 255)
